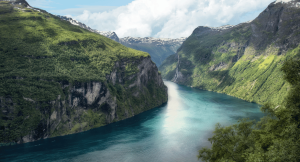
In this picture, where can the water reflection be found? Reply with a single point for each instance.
(172, 132)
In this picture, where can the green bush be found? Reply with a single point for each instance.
(275, 138)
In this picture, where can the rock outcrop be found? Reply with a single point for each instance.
(92, 104)
(62, 79)
(242, 60)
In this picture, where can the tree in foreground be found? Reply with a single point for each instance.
(275, 138)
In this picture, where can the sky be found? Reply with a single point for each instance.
(154, 18)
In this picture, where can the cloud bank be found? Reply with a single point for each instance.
(171, 18)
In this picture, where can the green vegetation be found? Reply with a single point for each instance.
(38, 52)
(220, 62)
(158, 53)
(33, 39)
(133, 100)
(168, 67)
(275, 138)
(249, 61)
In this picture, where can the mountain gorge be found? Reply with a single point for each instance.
(58, 78)
(158, 48)
(244, 60)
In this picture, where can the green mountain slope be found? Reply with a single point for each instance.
(243, 60)
(158, 48)
(158, 53)
(58, 79)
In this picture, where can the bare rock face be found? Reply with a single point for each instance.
(127, 92)
(39, 104)
(242, 60)
(109, 34)
(270, 27)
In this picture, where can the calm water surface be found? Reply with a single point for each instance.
(173, 132)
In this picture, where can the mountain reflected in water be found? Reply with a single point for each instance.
(173, 132)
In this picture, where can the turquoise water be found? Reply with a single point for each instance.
(173, 132)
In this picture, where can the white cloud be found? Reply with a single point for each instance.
(171, 18)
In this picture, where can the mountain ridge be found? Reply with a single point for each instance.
(58, 79)
(243, 60)
(158, 48)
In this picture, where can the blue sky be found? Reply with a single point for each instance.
(154, 18)
(59, 6)
(64, 4)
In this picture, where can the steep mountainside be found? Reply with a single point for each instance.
(242, 60)
(58, 79)
(111, 35)
(158, 48)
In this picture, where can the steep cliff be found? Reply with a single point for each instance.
(58, 79)
(242, 60)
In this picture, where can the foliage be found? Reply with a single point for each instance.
(158, 53)
(275, 138)
(168, 67)
(220, 62)
(38, 51)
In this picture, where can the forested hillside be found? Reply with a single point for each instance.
(243, 60)
(275, 138)
(58, 79)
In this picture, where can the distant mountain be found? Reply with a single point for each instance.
(242, 60)
(111, 35)
(158, 48)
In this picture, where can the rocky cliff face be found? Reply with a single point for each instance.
(62, 79)
(93, 104)
(242, 60)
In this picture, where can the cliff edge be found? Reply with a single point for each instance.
(58, 79)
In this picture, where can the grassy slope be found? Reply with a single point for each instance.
(255, 77)
(158, 53)
(32, 45)
(38, 49)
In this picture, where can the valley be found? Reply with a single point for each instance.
(244, 60)
(72, 93)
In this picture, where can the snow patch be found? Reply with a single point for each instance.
(283, 1)
(148, 40)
